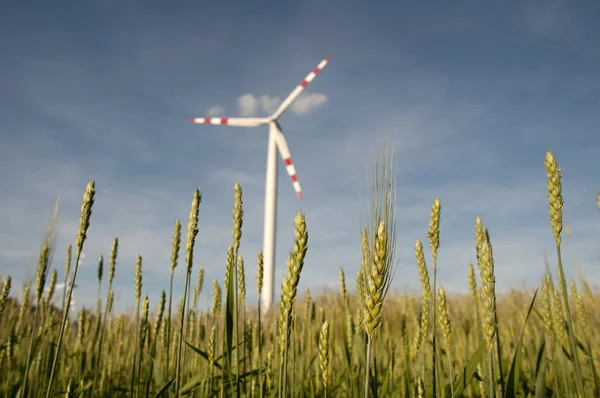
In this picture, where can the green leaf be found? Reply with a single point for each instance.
(464, 378)
(347, 353)
(203, 355)
(514, 374)
(333, 389)
(540, 372)
(192, 384)
(229, 313)
(164, 388)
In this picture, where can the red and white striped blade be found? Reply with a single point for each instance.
(287, 158)
(294, 94)
(232, 121)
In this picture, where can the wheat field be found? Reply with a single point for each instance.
(357, 342)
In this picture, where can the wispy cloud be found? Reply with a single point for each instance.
(269, 104)
(307, 102)
(250, 105)
(215, 111)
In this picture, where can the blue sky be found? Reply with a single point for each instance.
(470, 96)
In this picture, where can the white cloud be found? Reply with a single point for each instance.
(269, 104)
(248, 105)
(215, 111)
(306, 103)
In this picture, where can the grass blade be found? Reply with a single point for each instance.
(540, 371)
(164, 388)
(464, 378)
(514, 374)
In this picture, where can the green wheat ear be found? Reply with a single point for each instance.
(488, 294)
(324, 352)
(426, 291)
(144, 321)
(434, 230)
(289, 286)
(137, 275)
(84, 223)
(175, 246)
(444, 317)
(238, 213)
(555, 198)
(420, 387)
(547, 305)
(192, 230)
(216, 296)
(343, 290)
(580, 308)
(378, 280)
(52, 287)
(5, 293)
(199, 285)
(259, 273)
(555, 209)
(112, 262)
(289, 289)
(241, 278)
(86, 214)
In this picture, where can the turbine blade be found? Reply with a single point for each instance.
(287, 158)
(294, 94)
(232, 121)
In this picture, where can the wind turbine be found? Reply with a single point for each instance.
(276, 141)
